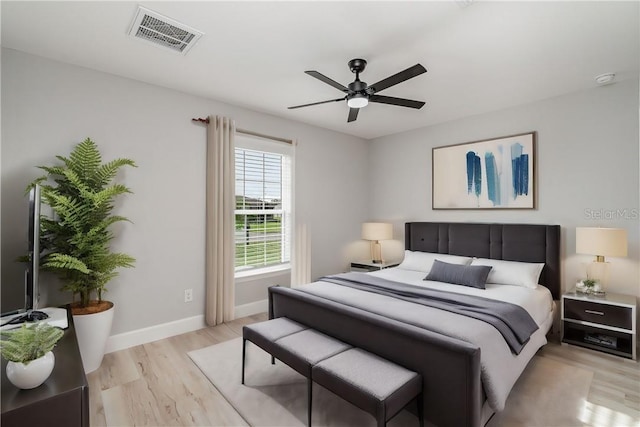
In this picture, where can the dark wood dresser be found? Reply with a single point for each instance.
(63, 399)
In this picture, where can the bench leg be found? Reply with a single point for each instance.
(421, 410)
(273, 360)
(382, 418)
(309, 399)
(244, 345)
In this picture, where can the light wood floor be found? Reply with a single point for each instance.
(156, 384)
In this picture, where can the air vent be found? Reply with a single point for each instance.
(158, 29)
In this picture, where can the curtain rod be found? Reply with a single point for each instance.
(250, 133)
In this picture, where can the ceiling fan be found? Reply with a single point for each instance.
(359, 94)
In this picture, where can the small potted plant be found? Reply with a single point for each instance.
(28, 350)
(589, 286)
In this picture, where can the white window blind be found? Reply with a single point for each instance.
(263, 209)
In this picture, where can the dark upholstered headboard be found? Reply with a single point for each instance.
(510, 242)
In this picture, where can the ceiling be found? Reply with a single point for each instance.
(480, 57)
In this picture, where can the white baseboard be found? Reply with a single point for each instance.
(154, 333)
(177, 327)
(252, 308)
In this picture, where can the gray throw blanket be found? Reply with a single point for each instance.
(512, 321)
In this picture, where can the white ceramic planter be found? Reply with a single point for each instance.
(92, 331)
(32, 374)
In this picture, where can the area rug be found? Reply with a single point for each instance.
(275, 395)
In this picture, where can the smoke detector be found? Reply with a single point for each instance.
(160, 30)
(605, 79)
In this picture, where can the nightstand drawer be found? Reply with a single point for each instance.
(602, 314)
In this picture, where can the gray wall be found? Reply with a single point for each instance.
(48, 107)
(587, 163)
(587, 159)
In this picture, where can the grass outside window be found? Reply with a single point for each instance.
(258, 241)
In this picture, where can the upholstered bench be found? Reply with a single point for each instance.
(294, 344)
(371, 383)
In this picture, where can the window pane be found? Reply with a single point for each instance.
(258, 240)
(240, 165)
(239, 194)
(254, 192)
(273, 192)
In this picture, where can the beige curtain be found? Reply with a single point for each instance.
(220, 201)
(301, 259)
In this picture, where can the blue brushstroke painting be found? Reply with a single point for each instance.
(506, 173)
(493, 179)
(520, 169)
(474, 174)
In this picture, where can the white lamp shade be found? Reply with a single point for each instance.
(377, 231)
(601, 241)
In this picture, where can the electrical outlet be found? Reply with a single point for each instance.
(188, 295)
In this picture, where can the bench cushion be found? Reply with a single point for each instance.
(273, 329)
(264, 334)
(368, 381)
(304, 349)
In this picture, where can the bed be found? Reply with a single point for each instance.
(466, 365)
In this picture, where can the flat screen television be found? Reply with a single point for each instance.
(32, 310)
(31, 294)
(24, 296)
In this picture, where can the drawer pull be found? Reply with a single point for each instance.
(599, 313)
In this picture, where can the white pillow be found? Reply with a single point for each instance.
(512, 272)
(423, 261)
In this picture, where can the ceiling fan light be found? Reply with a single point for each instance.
(358, 101)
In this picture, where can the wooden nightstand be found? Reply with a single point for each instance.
(365, 266)
(604, 323)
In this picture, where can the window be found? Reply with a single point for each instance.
(263, 205)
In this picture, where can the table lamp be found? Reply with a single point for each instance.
(600, 242)
(376, 231)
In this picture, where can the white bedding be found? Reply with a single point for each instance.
(500, 368)
(538, 302)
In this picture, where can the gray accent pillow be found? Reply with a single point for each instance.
(474, 276)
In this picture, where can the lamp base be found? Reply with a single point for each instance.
(376, 252)
(599, 272)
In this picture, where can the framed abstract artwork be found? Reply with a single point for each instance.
(490, 174)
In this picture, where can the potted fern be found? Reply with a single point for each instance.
(76, 241)
(28, 351)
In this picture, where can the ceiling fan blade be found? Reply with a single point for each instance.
(316, 103)
(353, 114)
(327, 80)
(407, 74)
(396, 101)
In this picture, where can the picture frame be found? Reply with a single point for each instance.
(497, 173)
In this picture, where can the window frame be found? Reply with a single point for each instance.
(263, 145)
